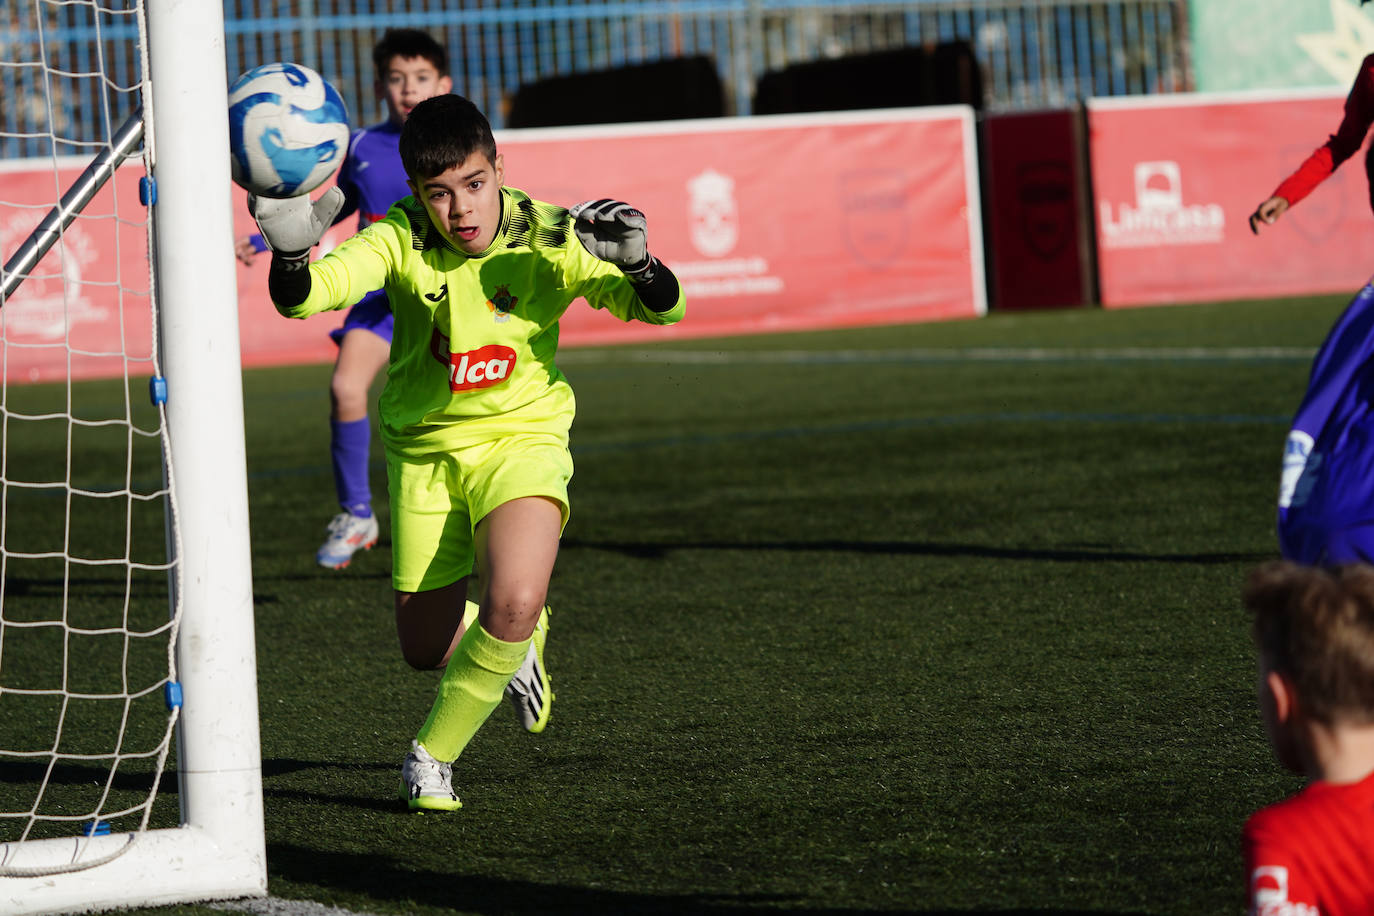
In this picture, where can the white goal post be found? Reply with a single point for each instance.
(218, 850)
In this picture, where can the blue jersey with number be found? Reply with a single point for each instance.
(1326, 490)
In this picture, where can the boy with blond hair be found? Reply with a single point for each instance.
(1313, 854)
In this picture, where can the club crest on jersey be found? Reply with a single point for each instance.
(501, 303)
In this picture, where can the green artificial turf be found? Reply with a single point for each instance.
(880, 620)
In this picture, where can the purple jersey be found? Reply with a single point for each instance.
(1326, 491)
(372, 177)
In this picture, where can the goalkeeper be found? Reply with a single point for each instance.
(474, 414)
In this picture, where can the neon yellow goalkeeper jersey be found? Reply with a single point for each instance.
(472, 354)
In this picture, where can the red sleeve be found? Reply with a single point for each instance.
(1344, 143)
(1275, 880)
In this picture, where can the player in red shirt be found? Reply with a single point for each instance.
(1313, 854)
(1344, 143)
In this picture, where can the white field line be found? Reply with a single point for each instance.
(938, 355)
(279, 906)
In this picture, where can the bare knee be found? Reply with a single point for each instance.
(510, 611)
(424, 658)
(348, 395)
(429, 625)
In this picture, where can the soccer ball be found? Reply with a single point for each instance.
(288, 130)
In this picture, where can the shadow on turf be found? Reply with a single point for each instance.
(919, 548)
(384, 879)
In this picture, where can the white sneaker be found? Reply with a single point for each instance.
(530, 692)
(347, 535)
(427, 784)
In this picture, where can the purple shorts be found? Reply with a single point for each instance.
(372, 313)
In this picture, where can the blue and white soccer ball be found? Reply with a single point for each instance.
(288, 130)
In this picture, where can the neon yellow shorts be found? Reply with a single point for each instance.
(438, 499)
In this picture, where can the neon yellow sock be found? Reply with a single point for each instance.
(472, 686)
(469, 615)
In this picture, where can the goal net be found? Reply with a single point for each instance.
(129, 754)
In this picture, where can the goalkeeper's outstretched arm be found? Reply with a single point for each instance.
(618, 233)
(656, 286)
(291, 227)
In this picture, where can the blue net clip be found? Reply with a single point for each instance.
(95, 828)
(157, 390)
(172, 694)
(147, 190)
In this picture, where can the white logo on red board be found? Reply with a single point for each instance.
(52, 299)
(1269, 893)
(1160, 215)
(713, 217)
(713, 224)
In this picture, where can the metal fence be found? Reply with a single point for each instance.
(1033, 53)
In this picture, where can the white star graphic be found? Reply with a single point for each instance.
(1340, 51)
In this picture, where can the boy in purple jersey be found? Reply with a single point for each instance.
(411, 67)
(1326, 490)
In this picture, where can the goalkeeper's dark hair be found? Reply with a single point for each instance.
(408, 43)
(1316, 626)
(440, 133)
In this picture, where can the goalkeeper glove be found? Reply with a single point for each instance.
(616, 232)
(291, 226)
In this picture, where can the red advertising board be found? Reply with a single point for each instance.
(785, 222)
(84, 309)
(771, 223)
(1175, 179)
(86, 303)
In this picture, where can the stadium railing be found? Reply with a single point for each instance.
(1033, 53)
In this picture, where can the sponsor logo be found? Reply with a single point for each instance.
(439, 296)
(1269, 893)
(713, 216)
(480, 368)
(1159, 216)
(501, 303)
(1300, 466)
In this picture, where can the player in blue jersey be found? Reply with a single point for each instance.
(1326, 491)
(411, 67)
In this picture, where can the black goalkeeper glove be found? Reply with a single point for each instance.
(616, 232)
(291, 226)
